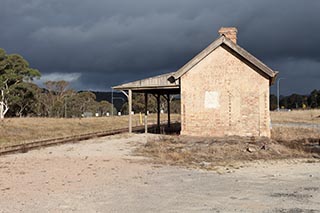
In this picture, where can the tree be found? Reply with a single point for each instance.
(273, 102)
(175, 106)
(314, 99)
(22, 98)
(57, 100)
(138, 100)
(295, 101)
(105, 107)
(14, 70)
(87, 101)
(54, 99)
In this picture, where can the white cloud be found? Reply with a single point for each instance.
(56, 76)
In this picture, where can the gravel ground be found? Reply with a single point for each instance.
(101, 175)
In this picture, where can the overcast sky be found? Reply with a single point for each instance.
(97, 44)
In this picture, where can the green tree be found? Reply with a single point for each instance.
(87, 101)
(295, 101)
(54, 99)
(14, 69)
(314, 99)
(273, 102)
(81, 102)
(175, 106)
(21, 99)
(105, 107)
(138, 101)
(37, 107)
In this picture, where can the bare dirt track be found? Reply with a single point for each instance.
(102, 175)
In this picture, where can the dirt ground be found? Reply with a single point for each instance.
(103, 175)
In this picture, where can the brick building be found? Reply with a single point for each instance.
(224, 90)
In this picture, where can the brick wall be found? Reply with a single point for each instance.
(223, 96)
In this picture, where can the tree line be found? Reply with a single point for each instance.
(296, 101)
(138, 104)
(19, 96)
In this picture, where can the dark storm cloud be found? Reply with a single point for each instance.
(100, 43)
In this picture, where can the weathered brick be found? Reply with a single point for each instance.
(241, 106)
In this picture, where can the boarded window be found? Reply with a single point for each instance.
(211, 100)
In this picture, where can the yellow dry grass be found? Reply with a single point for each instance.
(294, 133)
(296, 116)
(212, 153)
(19, 130)
(300, 118)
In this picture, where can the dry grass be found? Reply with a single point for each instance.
(211, 153)
(296, 116)
(193, 152)
(281, 133)
(286, 142)
(19, 130)
(205, 153)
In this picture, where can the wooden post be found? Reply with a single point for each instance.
(168, 105)
(158, 113)
(146, 113)
(130, 110)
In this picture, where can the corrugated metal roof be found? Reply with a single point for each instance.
(156, 82)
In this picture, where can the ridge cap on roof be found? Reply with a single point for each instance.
(255, 61)
(235, 47)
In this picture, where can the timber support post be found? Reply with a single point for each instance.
(146, 113)
(168, 109)
(158, 113)
(130, 110)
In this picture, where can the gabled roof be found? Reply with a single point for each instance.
(156, 82)
(222, 40)
(169, 81)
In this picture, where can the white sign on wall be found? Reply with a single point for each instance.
(211, 100)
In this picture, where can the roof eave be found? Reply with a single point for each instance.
(273, 79)
(199, 56)
(218, 42)
(155, 82)
(253, 60)
(146, 87)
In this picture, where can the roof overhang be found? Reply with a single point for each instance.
(224, 41)
(170, 83)
(152, 85)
